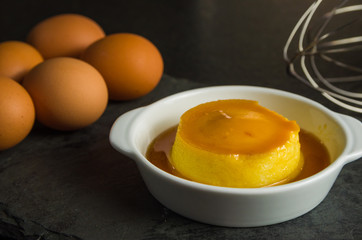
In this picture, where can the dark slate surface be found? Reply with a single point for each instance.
(73, 185)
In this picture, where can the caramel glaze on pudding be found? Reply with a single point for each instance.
(237, 143)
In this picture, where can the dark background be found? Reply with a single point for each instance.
(73, 185)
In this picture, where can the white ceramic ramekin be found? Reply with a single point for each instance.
(132, 133)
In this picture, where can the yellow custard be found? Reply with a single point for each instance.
(236, 143)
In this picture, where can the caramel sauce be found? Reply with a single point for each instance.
(261, 129)
(316, 156)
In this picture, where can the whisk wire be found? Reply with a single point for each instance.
(320, 45)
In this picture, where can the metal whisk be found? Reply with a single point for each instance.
(318, 46)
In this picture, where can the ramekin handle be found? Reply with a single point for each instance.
(356, 128)
(119, 136)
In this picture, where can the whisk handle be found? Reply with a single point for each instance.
(356, 130)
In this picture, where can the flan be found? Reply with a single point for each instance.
(236, 143)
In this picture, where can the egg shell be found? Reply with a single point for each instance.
(17, 113)
(17, 59)
(64, 35)
(68, 93)
(131, 65)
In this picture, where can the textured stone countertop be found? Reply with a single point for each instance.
(74, 185)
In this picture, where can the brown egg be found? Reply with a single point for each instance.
(64, 35)
(68, 93)
(17, 113)
(17, 59)
(131, 65)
